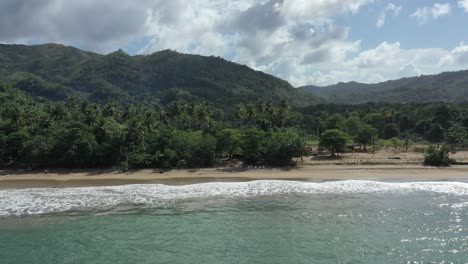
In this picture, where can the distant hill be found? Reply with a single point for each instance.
(446, 87)
(57, 72)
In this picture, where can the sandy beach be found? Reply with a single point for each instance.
(72, 178)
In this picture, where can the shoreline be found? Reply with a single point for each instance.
(307, 173)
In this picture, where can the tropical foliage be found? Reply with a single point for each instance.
(430, 122)
(57, 72)
(63, 107)
(438, 156)
(77, 134)
(334, 140)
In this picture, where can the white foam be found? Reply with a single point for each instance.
(460, 205)
(57, 200)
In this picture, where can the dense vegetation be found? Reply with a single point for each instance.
(58, 72)
(439, 156)
(444, 87)
(364, 124)
(77, 133)
(63, 107)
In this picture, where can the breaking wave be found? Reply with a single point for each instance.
(99, 199)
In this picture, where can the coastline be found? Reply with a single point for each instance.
(87, 178)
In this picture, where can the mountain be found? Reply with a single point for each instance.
(445, 87)
(57, 72)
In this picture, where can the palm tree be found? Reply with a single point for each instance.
(239, 113)
(59, 113)
(90, 115)
(269, 108)
(260, 106)
(72, 105)
(190, 112)
(100, 130)
(202, 114)
(113, 109)
(250, 112)
(283, 112)
(176, 111)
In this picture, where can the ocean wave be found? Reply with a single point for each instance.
(59, 200)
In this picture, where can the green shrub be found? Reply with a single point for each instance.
(123, 166)
(439, 156)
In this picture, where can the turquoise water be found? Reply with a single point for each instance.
(256, 222)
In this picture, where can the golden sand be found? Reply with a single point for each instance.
(72, 178)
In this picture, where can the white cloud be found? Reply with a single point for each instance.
(384, 62)
(282, 37)
(423, 14)
(457, 57)
(294, 40)
(320, 10)
(297, 40)
(93, 25)
(410, 70)
(187, 27)
(441, 10)
(391, 7)
(463, 4)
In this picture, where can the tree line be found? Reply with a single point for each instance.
(80, 134)
(185, 133)
(429, 122)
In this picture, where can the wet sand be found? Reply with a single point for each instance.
(74, 178)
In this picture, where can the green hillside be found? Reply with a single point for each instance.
(444, 87)
(56, 72)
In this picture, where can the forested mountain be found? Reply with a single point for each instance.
(56, 72)
(445, 87)
(170, 110)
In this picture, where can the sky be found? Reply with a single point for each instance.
(306, 42)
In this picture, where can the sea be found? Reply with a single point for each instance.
(246, 222)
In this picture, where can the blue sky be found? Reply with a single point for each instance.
(444, 32)
(318, 42)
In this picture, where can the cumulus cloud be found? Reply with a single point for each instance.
(410, 70)
(96, 25)
(319, 10)
(463, 4)
(388, 61)
(423, 14)
(441, 10)
(293, 39)
(276, 36)
(188, 27)
(391, 7)
(297, 40)
(457, 57)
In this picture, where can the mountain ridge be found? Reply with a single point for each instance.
(445, 87)
(56, 72)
